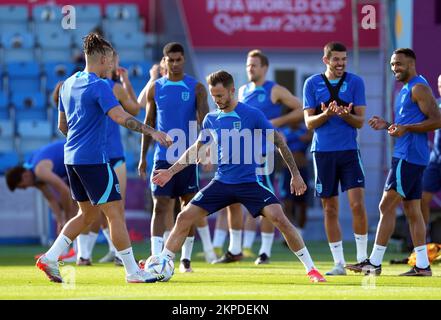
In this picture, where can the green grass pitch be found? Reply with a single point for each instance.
(283, 279)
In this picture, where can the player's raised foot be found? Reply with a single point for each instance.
(109, 257)
(315, 276)
(366, 267)
(210, 256)
(142, 276)
(248, 253)
(338, 270)
(118, 262)
(229, 257)
(50, 268)
(418, 272)
(83, 262)
(185, 266)
(262, 259)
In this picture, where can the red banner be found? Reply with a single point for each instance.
(277, 24)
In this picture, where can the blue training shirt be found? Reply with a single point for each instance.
(293, 138)
(260, 98)
(175, 108)
(85, 99)
(335, 134)
(53, 152)
(233, 164)
(411, 147)
(114, 146)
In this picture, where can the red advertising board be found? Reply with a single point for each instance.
(277, 24)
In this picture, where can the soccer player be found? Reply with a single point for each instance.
(173, 103)
(416, 113)
(46, 172)
(235, 180)
(119, 82)
(432, 174)
(85, 100)
(270, 98)
(334, 106)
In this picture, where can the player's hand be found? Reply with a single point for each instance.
(345, 111)
(377, 123)
(142, 169)
(163, 138)
(328, 110)
(396, 130)
(161, 177)
(123, 74)
(298, 186)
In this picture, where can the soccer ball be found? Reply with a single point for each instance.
(158, 265)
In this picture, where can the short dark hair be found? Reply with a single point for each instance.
(333, 46)
(222, 77)
(13, 177)
(94, 43)
(173, 47)
(259, 54)
(407, 52)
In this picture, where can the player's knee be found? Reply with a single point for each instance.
(331, 211)
(278, 220)
(184, 219)
(357, 209)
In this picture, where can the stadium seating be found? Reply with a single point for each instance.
(122, 17)
(139, 74)
(33, 134)
(14, 17)
(4, 106)
(47, 18)
(55, 46)
(7, 160)
(29, 106)
(18, 46)
(7, 135)
(55, 72)
(23, 75)
(36, 53)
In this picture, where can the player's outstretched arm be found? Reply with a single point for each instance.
(298, 186)
(162, 176)
(125, 119)
(282, 95)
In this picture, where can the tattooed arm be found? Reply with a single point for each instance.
(125, 119)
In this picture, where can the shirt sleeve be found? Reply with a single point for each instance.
(261, 121)
(308, 94)
(106, 98)
(205, 134)
(359, 93)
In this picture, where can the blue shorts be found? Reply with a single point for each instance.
(432, 178)
(96, 183)
(217, 195)
(285, 185)
(116, 162)
(332, 168)
(405, 178)
(182, 183)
